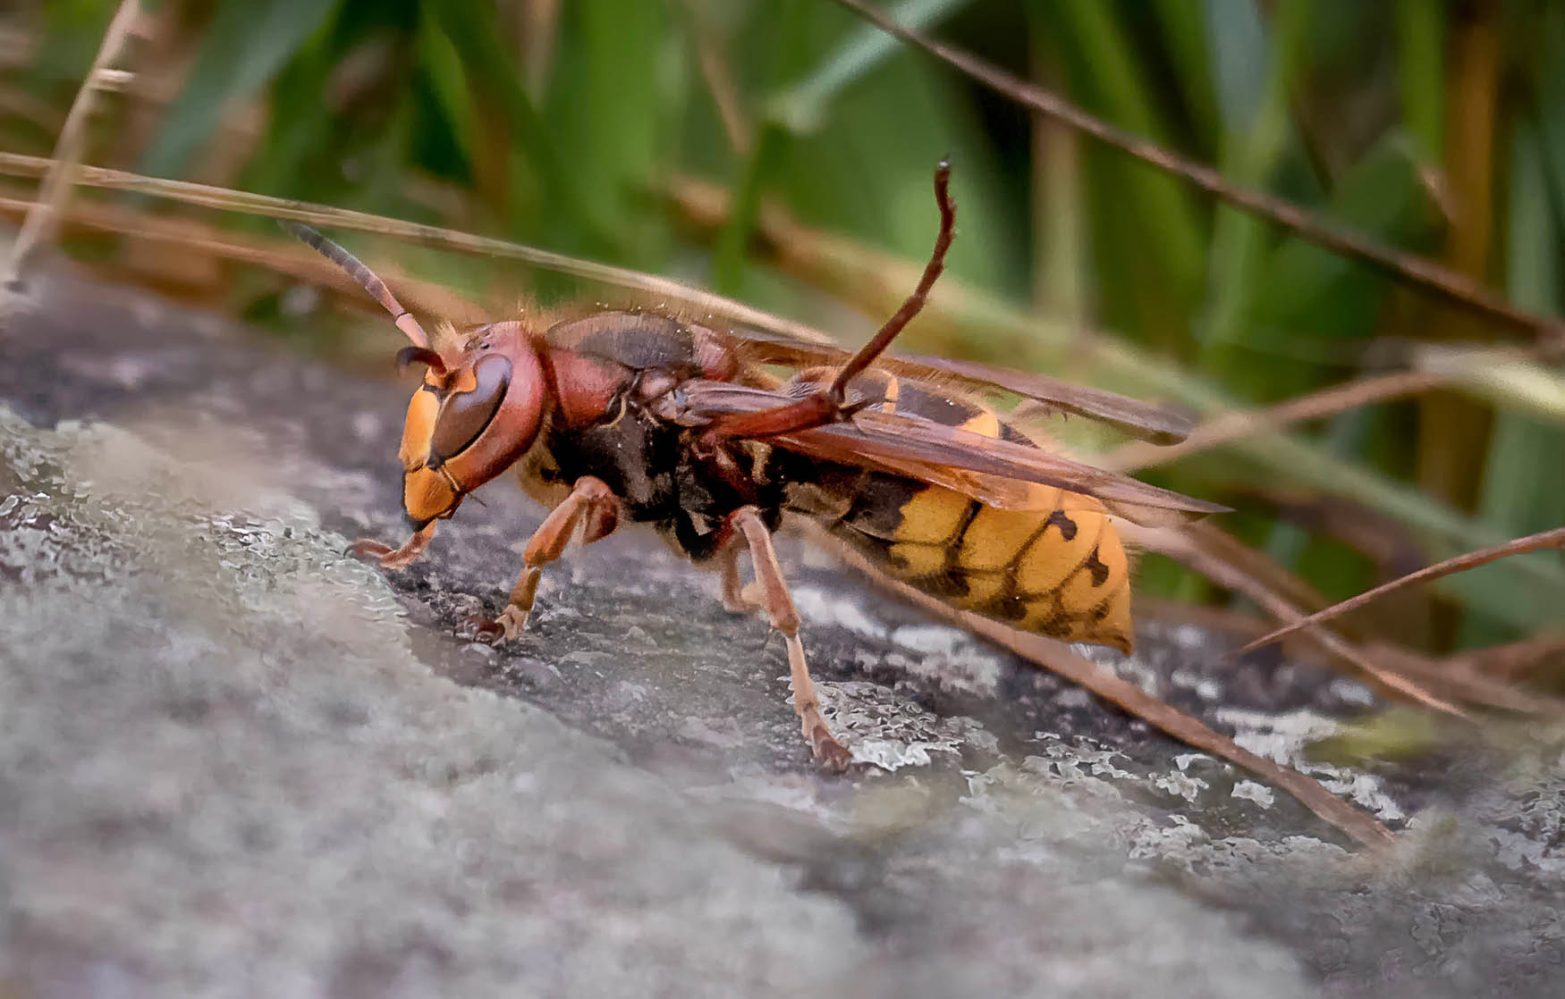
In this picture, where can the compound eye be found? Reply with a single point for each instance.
(465, 414)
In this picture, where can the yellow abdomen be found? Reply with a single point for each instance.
(1057, 569)
(1061, 573)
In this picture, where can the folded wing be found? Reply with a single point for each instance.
(1145, 421)
(994, 471)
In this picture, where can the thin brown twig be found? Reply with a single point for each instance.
(1512, 662)
(1057, 658)
(1418, 271)
(1190, 550)
(1240, 424)
(55, 187)
(1470, 686)
(1520, 546)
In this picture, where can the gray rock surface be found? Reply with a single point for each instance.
(235, 762)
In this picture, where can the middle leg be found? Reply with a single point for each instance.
(778, 604)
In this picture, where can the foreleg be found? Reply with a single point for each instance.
(591, 506)
(395, 558)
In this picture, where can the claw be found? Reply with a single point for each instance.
(497, 630)
(833, 756)
(485, 629)
(395, 558)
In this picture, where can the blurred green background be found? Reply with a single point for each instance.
(780, 151)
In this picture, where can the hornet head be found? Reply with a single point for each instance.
(478, 410)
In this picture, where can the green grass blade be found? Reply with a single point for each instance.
(247, 42)
(1257, 144)
(492, 71)
(1152, 236)
(802, 106)
(1420, 28)
(1184, 33)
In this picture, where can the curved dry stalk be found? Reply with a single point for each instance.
(1056, 657)
(1414, 270)
(1240, 424)
(244, 202)
(1471, 685)
(55, 187)
(1260, 568)
(1520, 546)
(1189, 550)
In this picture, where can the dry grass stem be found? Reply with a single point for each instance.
(284, 256)
(55, 186)
(693, 299)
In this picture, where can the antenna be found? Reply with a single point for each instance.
(366, 278)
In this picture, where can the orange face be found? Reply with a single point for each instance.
(467, 424)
